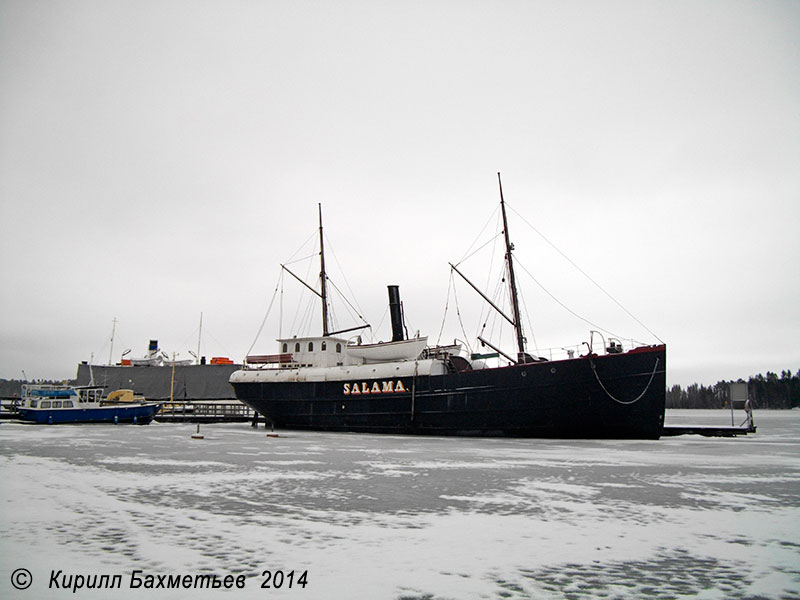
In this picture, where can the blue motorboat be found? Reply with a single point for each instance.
(54, 404)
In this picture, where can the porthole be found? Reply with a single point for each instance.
(552, 369)
(524, 373)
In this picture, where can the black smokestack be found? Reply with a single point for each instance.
(396, 312)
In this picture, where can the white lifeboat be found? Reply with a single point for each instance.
(388, 351)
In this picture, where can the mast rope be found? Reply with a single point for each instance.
(446, 305)
(530, 324)
(582, 272)
(458, 312)
(356, 310)
(297, 260)
(269, 308)
(467, 254)
(303, 245)
(565, 307)
(356, 307)
(610, 395)
(479, 248)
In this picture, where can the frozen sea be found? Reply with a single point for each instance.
(412, 518)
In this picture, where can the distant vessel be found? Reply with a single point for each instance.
(152, 376)
(55, 404)
(402, 386)
(190, 382)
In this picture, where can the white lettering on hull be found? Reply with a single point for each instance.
(384, 387)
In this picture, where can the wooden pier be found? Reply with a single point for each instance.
(706, 430)
(219, 411)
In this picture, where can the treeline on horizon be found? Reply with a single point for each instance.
(768, 391)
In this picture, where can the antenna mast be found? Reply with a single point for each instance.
(199, 336)
(113, 331)
(323, 278)
(512, 282)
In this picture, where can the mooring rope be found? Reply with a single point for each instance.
(610, 395)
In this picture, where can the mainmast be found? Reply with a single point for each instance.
(323, 278)
(512, 283)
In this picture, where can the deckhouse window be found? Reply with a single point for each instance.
(285, 347)
(56, 403)
(68, 404)
(45, 403)
(323, 346)
(297, 347)
(34, 403)
(310, 346)
(339, 348)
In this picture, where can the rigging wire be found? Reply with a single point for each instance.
(446, 305)
(530, 324)
(481, 247)
(303, 245)
(564, 306)
(280, 310)
(356, 311)
(269, 308)
(467, 253)
(357, 308)
(460, 321)
(570, 261)
(304, 314)
(297, 260)
(499, 229)
(372, 331)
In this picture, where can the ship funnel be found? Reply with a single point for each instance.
(396, 312)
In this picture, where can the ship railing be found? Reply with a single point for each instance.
(609, 346)
(269, 360)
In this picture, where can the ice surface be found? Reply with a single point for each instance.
(406, 517)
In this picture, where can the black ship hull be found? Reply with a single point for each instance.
(616, 396)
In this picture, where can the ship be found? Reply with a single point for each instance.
(405, 386)
(159, 377)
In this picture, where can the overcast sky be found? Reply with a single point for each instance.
(161, 159)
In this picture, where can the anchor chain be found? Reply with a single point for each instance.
(610, 395)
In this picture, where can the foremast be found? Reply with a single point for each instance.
(323, 293)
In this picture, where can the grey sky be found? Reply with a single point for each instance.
(160, 159)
